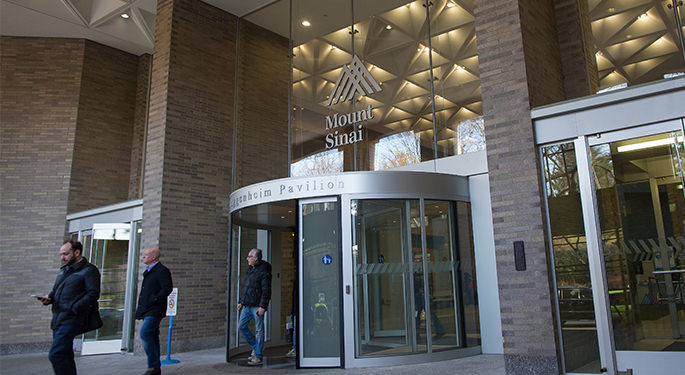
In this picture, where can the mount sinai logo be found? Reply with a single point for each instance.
(352, 79)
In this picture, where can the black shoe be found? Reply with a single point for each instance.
(153, 371)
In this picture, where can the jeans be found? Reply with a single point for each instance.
(246, 314)
(62, 351)
(149, 335)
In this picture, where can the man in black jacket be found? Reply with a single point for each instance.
(157, 285)
(76, 289)
(254, 299)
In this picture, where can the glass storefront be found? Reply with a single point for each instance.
(111, 241)
(378, 85)
(616, 222)
(396, 275)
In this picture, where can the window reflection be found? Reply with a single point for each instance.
(574, 289)
(390, 83)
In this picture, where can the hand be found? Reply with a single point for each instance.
(240, 307)
(261, 311)
(44, 299)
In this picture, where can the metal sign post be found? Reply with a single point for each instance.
(171, 305)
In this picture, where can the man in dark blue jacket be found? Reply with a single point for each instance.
(157, 285)
(254, 299)
(76, 290)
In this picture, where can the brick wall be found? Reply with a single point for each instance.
(576, 48)
(102, 149)
(188, 162)
(262, 106)
(519, 68)
(139, 126)
(39, 98)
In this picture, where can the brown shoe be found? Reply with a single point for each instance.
(153, 371)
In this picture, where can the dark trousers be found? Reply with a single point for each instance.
(149, 335)
(62, 351)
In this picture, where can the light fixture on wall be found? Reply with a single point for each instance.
(649, 144)
(306, 23)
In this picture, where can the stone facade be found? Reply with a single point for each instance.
(523, 34)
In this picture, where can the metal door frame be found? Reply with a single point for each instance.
(611, 359)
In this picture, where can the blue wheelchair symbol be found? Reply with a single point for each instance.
(327, 259)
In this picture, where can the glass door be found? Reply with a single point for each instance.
(109, 252)
(638, 185)
(320, 293)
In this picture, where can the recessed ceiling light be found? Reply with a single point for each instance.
(124, 15)
(388, 27)
(306, 23)
(450, 4)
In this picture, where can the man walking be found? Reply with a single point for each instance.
(157, 285)
(76, 289)
(254, 299)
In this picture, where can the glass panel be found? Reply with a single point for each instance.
(574, 289)
(320, 50)
(388, 277)
(639, 185)
(458, 103)
(244, 239)
(391, 40)
(442, 264)
(111, 258)
(635, 41)
(320, 280)
(469, 297)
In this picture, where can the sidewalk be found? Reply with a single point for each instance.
(211, 362)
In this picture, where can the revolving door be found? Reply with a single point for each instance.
(369, 268)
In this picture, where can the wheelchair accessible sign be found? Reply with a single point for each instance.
(327, 260)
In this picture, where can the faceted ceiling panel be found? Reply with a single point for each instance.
(636, 41)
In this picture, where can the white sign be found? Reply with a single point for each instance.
(172, 302)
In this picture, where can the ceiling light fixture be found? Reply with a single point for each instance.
(388, 27)
(459, 67)
(644, 15)
(306, 23)
(124, 15)
(649, 144)
(611, 10)
(450, 4)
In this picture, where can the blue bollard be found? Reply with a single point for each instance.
(168, 359)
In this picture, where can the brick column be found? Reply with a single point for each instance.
(139, 122)
(518, 55)
(577, 52)
(188, 162)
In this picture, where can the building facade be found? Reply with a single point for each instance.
(567, 201)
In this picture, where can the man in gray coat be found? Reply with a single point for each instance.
(76, 289)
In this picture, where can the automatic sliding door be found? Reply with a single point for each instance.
(639, 189)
